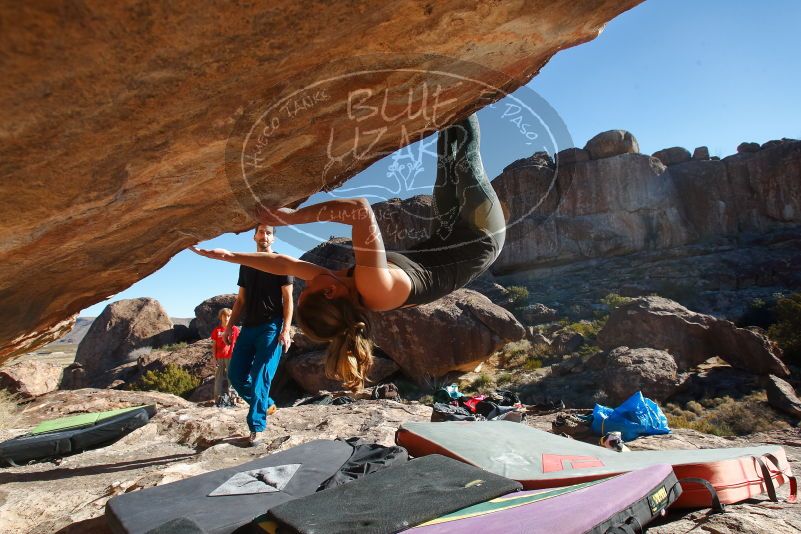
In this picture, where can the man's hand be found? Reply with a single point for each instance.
(227, 335)
(285, 339)
(274, 216)
(215, 254)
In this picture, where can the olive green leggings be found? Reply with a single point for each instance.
(463, 195)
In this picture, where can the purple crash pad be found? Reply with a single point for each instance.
(593, 507)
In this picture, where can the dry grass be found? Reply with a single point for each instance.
(725, 416)
(520, 355)
(9, 409)
(481, 383)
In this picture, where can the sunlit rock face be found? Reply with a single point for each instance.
(132, 130)
(573, 211)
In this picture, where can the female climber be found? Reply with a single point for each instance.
(467, 235)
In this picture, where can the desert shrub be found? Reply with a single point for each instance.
(517, 297)
(514, 353)
(588, 329)
(587, 350)
(532, 363)
(426, 399)
(724, 416)
(9, 409)
(172, 379)
(787, 330)
(613, 300)
(522, 355)
(504, 379)
(759, 313)
(481, 382)
(174, 346)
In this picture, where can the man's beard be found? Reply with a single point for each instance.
(263, 246)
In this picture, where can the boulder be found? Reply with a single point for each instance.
(691, 338)
(308, 371)
(672, 155)
(181, 333)
(74, 377)
(782, 396)
(538, 159)
(538, 341)
(571, 155)
(772, 143)
(565, 342)
(612, 143)
(206, 313)
(301, 342)
(123, 326)
(652, 371)
(30, 378)
(746, 147)
(454, 333)
(535, 314)
(487, 286)
(701, 153)
(204, 392)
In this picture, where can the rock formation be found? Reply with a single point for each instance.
(114, 154)
(611, 143)
(781, 396)
(30, 378)
(714, 234)
(631, 202)
(206, 313)
(308, 370)
(690, 337)
(454, 333)
(123, 326)
(654, 372)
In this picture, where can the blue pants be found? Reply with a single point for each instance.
(253, 364)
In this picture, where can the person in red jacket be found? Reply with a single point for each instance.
(222, 351)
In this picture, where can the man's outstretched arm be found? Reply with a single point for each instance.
(236, 312)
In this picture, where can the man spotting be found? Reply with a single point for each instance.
(264, 304)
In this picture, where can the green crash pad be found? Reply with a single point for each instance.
(78, 421)
(540, 459)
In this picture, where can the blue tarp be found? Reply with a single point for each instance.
(636, 417)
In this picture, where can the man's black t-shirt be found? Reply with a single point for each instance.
(263, 302)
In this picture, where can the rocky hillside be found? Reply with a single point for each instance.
(711, 233)
(76, 334)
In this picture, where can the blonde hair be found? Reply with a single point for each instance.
(223, 311)
(346, 326)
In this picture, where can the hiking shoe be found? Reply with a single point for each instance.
(272, 409)
(254, 439)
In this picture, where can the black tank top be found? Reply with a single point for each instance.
(437, 270)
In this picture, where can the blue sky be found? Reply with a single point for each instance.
(673, 72)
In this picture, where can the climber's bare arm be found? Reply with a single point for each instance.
(381, 288)
(270, 262)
